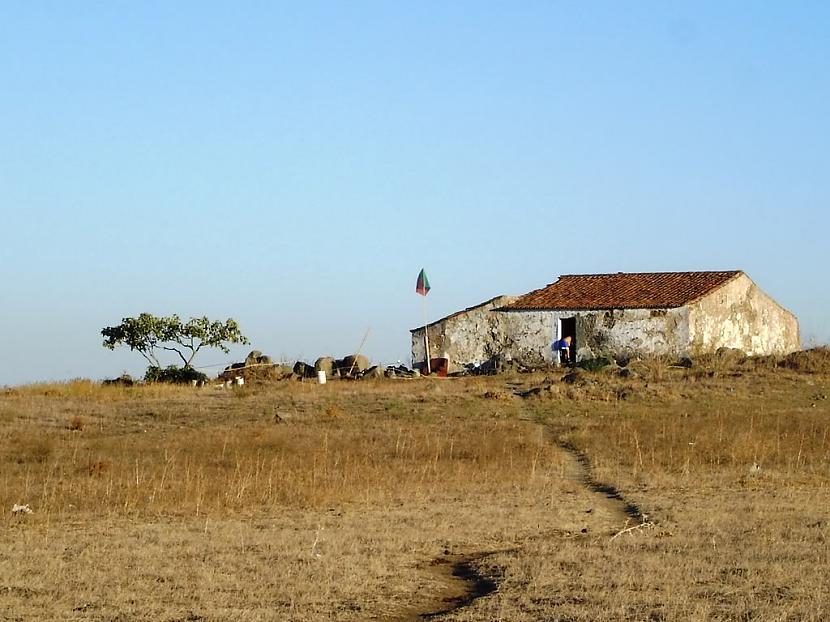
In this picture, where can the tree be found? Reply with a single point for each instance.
(147, 333)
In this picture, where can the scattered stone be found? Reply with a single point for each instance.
(399, 371)
(730, 355)
(574, 377)
(253, 357)
(353, 364)
(304, 370)
(326, 364)
(584, 353)
(372, 372)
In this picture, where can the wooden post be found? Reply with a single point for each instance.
(359, 350)
(426, 336)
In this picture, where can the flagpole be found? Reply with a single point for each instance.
(426, 335)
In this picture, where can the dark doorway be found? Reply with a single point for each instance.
(568, 329)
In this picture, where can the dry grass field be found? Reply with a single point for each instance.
(669, 494)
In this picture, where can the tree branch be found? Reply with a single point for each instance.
(177, 351)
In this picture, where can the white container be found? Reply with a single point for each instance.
(240, 381)
(321, 377)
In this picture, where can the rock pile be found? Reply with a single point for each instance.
(257, 367)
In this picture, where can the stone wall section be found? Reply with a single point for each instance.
(471, 336)
(740, 315)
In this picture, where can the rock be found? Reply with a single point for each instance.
(353, 364)
(304, 370)
(373, 372)
(264, 360)
(326, 364)
(576, 377)
(685, 362)
(253, 357)
(399, 371)
(584, 353)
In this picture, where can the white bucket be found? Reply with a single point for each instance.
(321, 377)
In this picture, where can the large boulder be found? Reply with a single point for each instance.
(326, 364)
(353, 364)
(304, 370)
(253, 357)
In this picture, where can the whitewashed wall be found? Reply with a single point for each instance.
(740, 315)
(471, 336)
(619, 332)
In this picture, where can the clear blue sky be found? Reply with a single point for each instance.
(293, 166)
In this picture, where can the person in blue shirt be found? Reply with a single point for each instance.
(563, 347)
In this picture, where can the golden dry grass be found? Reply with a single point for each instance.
(305, 502)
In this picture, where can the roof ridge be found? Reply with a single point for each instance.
(633, 290)
(652, 273)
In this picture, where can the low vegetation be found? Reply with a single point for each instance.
(346, 501)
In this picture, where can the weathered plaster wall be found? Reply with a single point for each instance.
(528, 336)
(740, 315)
(480, 333)
(471, 336)
(614, 332)
(626, 332)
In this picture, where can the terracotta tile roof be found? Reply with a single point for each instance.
(644, 290)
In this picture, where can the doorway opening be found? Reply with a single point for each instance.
(567, 328)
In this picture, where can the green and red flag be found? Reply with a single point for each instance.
(422, 286)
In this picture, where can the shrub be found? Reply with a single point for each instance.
(595, 364)
(174, 374)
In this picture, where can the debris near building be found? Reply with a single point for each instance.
(256, 368)
(614, 316)
(350, 367)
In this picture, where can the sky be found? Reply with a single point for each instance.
(294, 165)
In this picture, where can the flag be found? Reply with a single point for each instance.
(422, 286)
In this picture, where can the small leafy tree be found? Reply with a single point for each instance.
(147, 334)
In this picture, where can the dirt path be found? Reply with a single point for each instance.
(583, 472)
(464, 583)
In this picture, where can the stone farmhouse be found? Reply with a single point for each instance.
(618, 315)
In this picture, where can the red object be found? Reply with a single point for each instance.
(438, 367)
